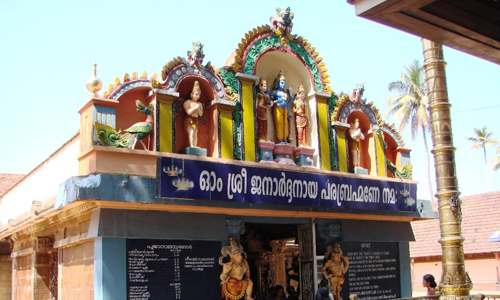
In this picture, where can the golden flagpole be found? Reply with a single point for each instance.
(455, 282)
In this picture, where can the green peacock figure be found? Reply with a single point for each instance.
(108, 136)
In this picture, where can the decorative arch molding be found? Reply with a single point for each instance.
(262, 40)
(117, 88)
(345, 107)
(175, 71)
(127, 87)
(177, 74)
(389, 129)
(367, 110)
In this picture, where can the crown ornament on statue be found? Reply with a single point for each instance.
(196, 87)
(301, 89)
(234, 246)
(281, 75)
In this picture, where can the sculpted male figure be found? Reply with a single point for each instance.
(235, 276)
(356, 136)
(194, 110)
(334, 270)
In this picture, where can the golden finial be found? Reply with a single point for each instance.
(94, 84)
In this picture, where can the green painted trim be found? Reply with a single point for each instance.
(272, 41)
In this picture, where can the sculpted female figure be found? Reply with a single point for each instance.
(356, 136)
(235, 276)
(301, 119)
(281, 111)
(263, 104)
(194, 110)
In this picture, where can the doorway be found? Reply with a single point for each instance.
(274, 257)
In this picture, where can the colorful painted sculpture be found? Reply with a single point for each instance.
(282, 25)
(301, 116)
(108, 136)
(357, 93)
(194, 110)
(235, 276)
(334, 269)
(196, 56)
(354, 144)
(263, 103)
(281, 110)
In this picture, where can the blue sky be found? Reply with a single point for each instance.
(47, 49)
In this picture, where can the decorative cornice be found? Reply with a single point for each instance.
(262, 39)
(117, 88)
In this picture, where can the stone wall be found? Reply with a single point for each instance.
(23, 277)
(5, 277)
(76, 272)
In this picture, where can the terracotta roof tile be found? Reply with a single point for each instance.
(8, 180)
(480, 218)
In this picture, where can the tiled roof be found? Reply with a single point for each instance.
(7, 180)
(480, 218)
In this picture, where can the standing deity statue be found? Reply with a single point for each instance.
(354, 145)
(301, 118)
(281, 110)
(194, 110)
(235, 276)
(334, 269)
(263, 103)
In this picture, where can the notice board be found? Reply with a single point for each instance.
(373, 272)
(173, 269)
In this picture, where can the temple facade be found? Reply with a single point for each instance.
(166, 170)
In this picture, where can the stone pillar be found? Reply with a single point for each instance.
(41, 264)
(455, 282)
(247, 82)
(5, 277)
(323, 126)
(164, 119)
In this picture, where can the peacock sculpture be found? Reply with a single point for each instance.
(108, 136)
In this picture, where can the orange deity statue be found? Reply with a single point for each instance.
(235, 276)
(334, 269)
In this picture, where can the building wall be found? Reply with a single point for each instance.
(483, 273)
(5, 277)
(42, 183)
(76, 272)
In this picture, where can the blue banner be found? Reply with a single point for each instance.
(196, 179)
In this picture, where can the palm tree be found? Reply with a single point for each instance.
(483, 139)
(411, 105)
(496, 161)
